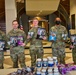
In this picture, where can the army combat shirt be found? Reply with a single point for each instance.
(17, 33)
(33, 41)
(58, 30)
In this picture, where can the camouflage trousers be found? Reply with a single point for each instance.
(36, 52)
(1, 59)
(17, 53)
(74, 54)
(60, 54)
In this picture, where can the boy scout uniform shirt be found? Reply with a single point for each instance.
(58, 30)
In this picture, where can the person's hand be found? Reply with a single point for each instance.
(71, 46)
(44, 38)
(23, 44)
(53, 35)
(28, 37)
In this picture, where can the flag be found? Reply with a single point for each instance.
(21, 26)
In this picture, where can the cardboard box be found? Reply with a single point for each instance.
(72, 31)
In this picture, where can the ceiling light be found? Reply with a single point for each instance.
(63, 0)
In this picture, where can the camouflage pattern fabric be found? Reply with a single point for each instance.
(17, 53)
(74, 52)
(35, 52)
(58, 46)
(2, 37)
(36, 47)
(73, 43)
(33, 40)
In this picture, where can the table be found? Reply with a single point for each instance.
(72, 73)
(6, 71)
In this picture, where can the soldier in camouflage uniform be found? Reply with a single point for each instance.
(17, 50)
(2, 38)
(73, 47)
(36, 46)
(58, 46)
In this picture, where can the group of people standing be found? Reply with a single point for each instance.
(17, 50)
(36, 46)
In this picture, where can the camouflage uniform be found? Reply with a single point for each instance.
(36, 47)
(2, 37)
(73, 33)
(17, 52)
(74, 52)
(58, 46)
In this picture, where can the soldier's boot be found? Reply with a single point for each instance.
(62, 60)
(75, 62)
(15, 65)
(23, 65)
(58, 60)
(74, 59)
(22, 62)
(1, 66)
(33, 64)
(33, 61)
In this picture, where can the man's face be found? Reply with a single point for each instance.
(15, 25)
(35, 23)
(58, 21)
